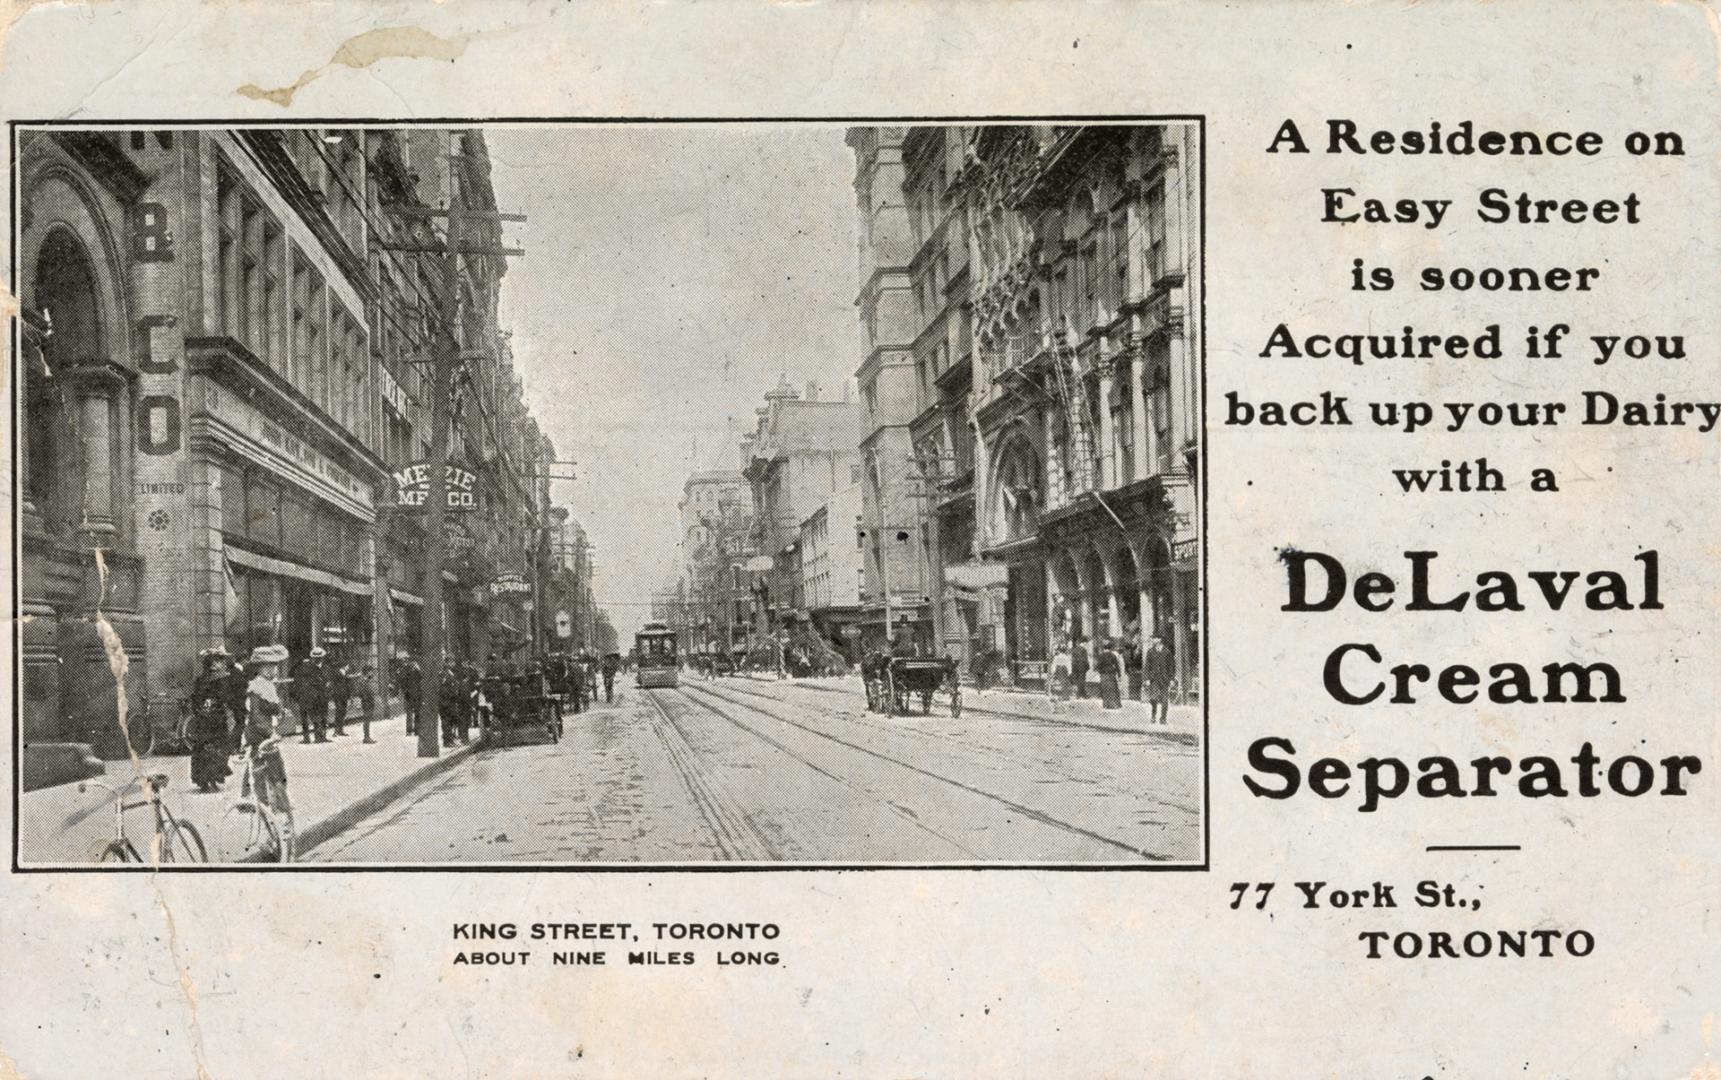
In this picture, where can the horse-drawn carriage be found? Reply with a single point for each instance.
(520, 708)
(892, 680)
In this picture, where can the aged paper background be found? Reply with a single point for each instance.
(954, 974)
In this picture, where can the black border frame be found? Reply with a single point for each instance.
(14, 128)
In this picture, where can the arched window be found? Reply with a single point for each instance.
(64, 298)
(1016, 499)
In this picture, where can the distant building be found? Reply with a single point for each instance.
(802, 450)
(716, 513)
(832, 570)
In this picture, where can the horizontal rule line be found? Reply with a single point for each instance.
(1474, 847)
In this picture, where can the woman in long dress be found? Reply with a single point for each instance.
(261, 737)
(208, 730)
(1060, 677)
(1110, 665)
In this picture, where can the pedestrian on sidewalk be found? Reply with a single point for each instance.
(1058, 679)
(406, 677)
(1080, 661)
(1110, 671)
(311, 694)
(1156, 672)
(470, 677)
(364, 685)
(233, 691)
(450, 706)
(612, 663)
(340, 695)
(263, 712)
(209, 728)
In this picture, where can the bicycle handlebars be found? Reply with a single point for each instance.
(155, 781)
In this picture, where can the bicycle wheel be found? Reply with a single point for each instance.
(248, 832)
(182, 843)
(120, 851)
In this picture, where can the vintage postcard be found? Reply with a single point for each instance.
(891, 540)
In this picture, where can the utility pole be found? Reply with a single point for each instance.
(442, 371)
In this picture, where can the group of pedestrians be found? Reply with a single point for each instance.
(1074, 659)
(323, 690)
(235, 710)
(229, 698)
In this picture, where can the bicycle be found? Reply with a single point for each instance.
(168, 722)
(174, 840)
(258, 825)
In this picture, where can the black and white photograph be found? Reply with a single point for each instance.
(610, 495)
(955, 540)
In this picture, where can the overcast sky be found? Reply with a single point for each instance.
(671, 275)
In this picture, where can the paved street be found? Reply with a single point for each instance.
(765, 771)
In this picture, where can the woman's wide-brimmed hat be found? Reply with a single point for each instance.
(317, 653)
(269, 654)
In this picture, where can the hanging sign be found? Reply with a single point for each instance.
(412, 486)
(977, 575)
(457, 539)
(510, 584)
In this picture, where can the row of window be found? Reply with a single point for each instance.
(260, 507)
(332, 165)
(301, 331)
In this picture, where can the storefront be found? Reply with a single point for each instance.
(293, 528)
(1127, 571)
(273, 600)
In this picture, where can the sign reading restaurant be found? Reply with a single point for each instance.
(412, 486)
(510, 584)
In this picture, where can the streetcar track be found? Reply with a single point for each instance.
(901, 811)
(1027, 811)
(736, 836)
(863, 721)
(1180, 738)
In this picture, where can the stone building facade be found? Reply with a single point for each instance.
(224, 364)
(802, 449)
(1055, 282)
(898, 579)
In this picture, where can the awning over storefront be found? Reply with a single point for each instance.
(404, 597)
(266, 564)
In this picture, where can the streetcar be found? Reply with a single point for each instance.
(654, 646)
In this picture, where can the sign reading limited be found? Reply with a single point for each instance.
(412, 486)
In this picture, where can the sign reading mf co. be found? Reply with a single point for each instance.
(412, 486)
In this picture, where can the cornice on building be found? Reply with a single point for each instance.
(230, 363)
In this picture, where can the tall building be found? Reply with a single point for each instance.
(802, 450)
(224, 365)
(942, 431)
(1055, 281)
(897, 576)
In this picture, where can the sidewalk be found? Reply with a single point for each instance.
(1183, 721)
(332, 786)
